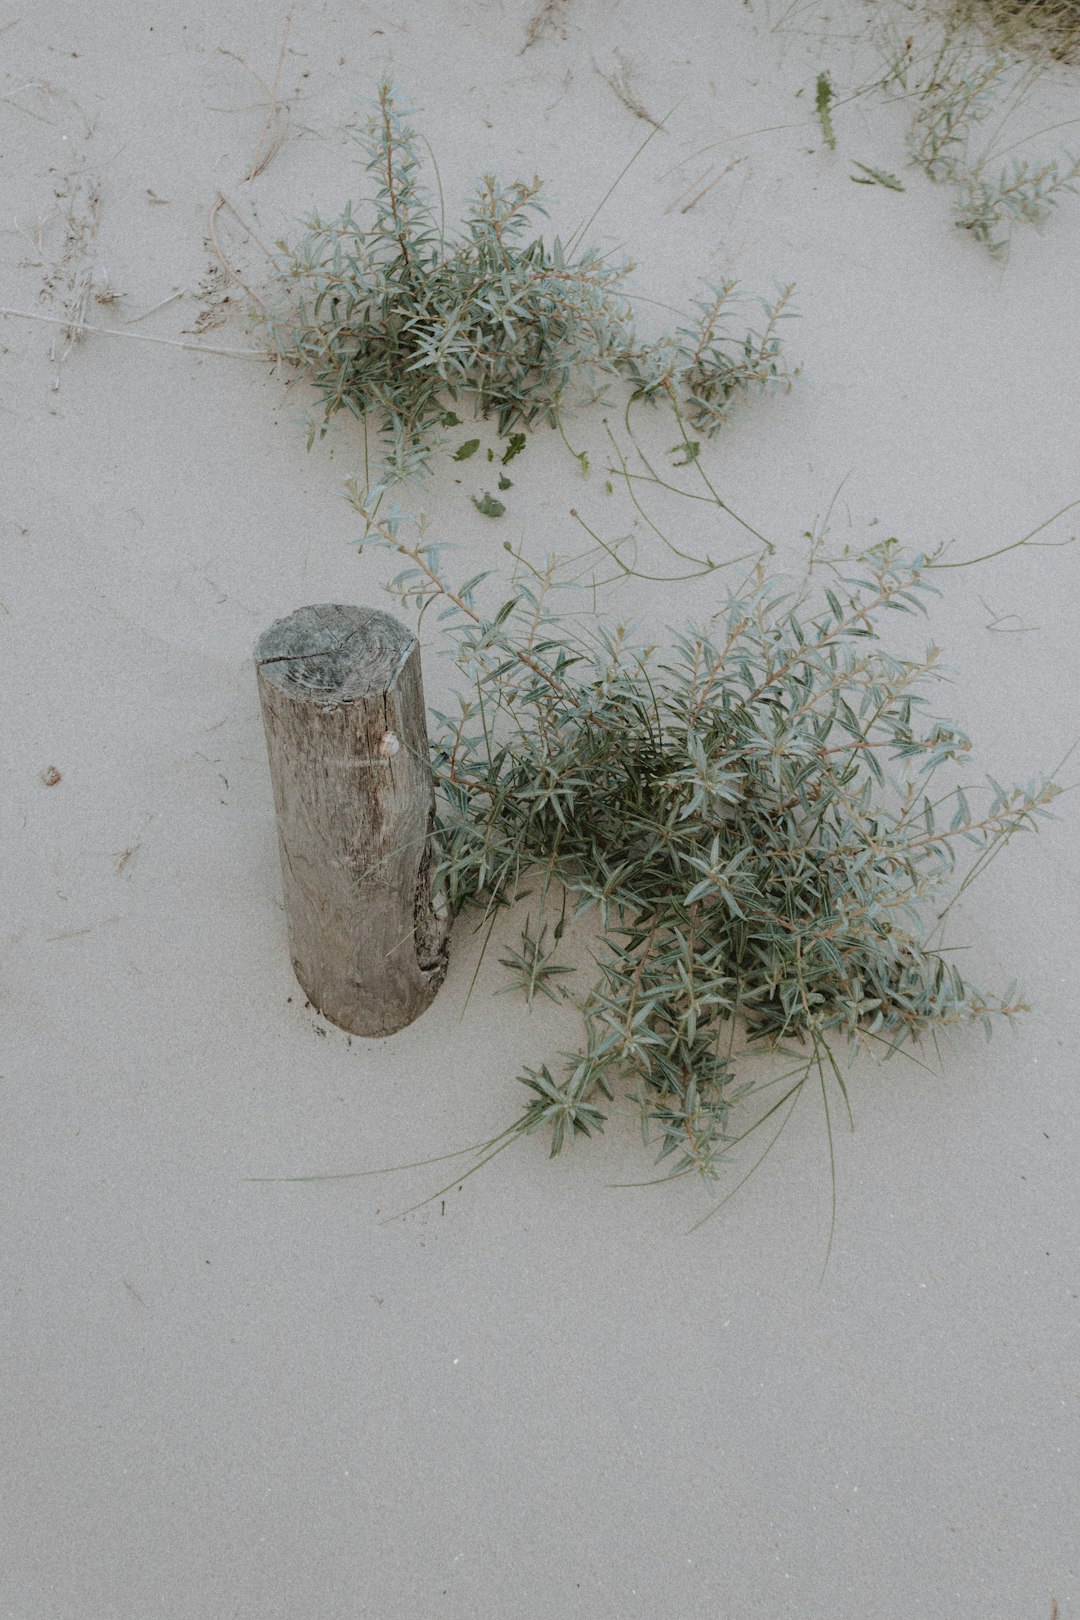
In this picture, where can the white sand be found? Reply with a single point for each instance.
(540, 1398)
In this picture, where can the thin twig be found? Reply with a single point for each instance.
(546, 18)
(233, 275)
(11, 102)
(276, 126)
(173, 296)
(242, 222)
(1015, 545)
(619, 81)
(651, 136)
(714, 182)
(139, 337)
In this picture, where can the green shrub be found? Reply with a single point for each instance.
(395, 320)
(747, 809)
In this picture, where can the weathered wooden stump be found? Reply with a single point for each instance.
(343, 706)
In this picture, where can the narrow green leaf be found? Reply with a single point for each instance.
(824, 96)
(875, 177)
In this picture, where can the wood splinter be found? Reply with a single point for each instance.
(343, 706)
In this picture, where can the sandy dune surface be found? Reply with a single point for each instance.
(536, 1396)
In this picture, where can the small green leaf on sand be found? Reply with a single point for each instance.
(489, 505)
(686, 452)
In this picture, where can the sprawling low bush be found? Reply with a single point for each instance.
(755, 812)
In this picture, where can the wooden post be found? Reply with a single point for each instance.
(343, 706)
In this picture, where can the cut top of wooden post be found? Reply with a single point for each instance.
(334, 652)
(343, 706)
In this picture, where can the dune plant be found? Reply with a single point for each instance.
(961, 93)
(989, 205)
(1034, 28)
(752, 812)
(964, 72)
(393, 318)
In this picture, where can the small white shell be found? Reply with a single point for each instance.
(389, 745)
